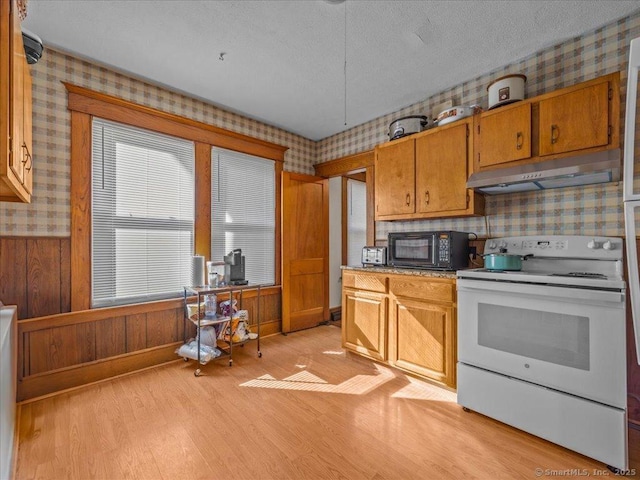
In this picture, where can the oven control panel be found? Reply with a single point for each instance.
(545, 244)
(562, 246)
(520, 246)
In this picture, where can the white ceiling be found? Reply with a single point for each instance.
(284, 59)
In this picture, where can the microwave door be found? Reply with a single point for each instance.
(631, 185)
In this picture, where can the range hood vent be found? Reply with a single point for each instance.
(599, 167)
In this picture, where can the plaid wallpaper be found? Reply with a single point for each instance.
(592, 210)
(581, 211)
(49, 213)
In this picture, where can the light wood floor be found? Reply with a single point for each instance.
(304, 410)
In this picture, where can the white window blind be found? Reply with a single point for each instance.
(142, 214)
(356, 220)
(243, 211)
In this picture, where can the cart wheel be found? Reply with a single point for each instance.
(197, 372)
(259, 354)
(231, 363)
(185, 359)
(465, 409)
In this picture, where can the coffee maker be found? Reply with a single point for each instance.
(234, 268)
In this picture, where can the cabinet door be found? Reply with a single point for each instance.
(505, 135)
(441, 170)
(422, 339)
(395, 177)
(575, 120)
(27, 136)
(364, 323)
(16, 108)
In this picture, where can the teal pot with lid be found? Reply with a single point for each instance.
(504, 261)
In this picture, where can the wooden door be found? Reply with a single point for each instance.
(441, 170)
(364, 323)
(305, 251)
(395, 178)
(505, 135)
(575, 120)
(422, 339)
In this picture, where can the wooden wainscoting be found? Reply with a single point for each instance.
(35, 275)
(67, 350)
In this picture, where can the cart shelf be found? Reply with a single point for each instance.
(194, 313)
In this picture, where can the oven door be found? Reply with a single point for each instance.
(568, 339)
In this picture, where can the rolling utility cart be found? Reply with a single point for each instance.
(196, 314)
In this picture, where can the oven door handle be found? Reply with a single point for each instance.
(545, 291)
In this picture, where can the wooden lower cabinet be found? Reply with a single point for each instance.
(422, 339)
(405, 321)
(364, 323)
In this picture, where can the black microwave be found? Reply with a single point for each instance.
(429, 250)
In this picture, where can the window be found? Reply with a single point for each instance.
(243, 211)
(191, 180)
(142, 214)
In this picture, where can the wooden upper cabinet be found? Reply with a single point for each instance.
(572, 121)
(16, 161)
(395, 177)
(576, 120)
(27, 129)
(505, 135)
(425, 175)
(441, 170)
(17, 99)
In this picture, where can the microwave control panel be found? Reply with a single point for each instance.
(443, 250)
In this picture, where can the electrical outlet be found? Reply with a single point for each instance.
(473, 252)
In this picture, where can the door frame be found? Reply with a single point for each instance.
(359, 177)
(356, 164)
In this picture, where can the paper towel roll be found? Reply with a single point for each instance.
(197, 271)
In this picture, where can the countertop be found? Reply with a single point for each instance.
(404, 271)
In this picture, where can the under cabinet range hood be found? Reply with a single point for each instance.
(599, 167)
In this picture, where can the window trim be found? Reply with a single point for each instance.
(84, 104)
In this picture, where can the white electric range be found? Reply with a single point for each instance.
(544, 348)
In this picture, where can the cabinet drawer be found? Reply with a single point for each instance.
(365, 281)
(441, 291)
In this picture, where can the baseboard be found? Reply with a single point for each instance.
(42, 384)
(62, 379)
(335, 314)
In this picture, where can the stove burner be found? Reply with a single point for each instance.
(581, 275)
